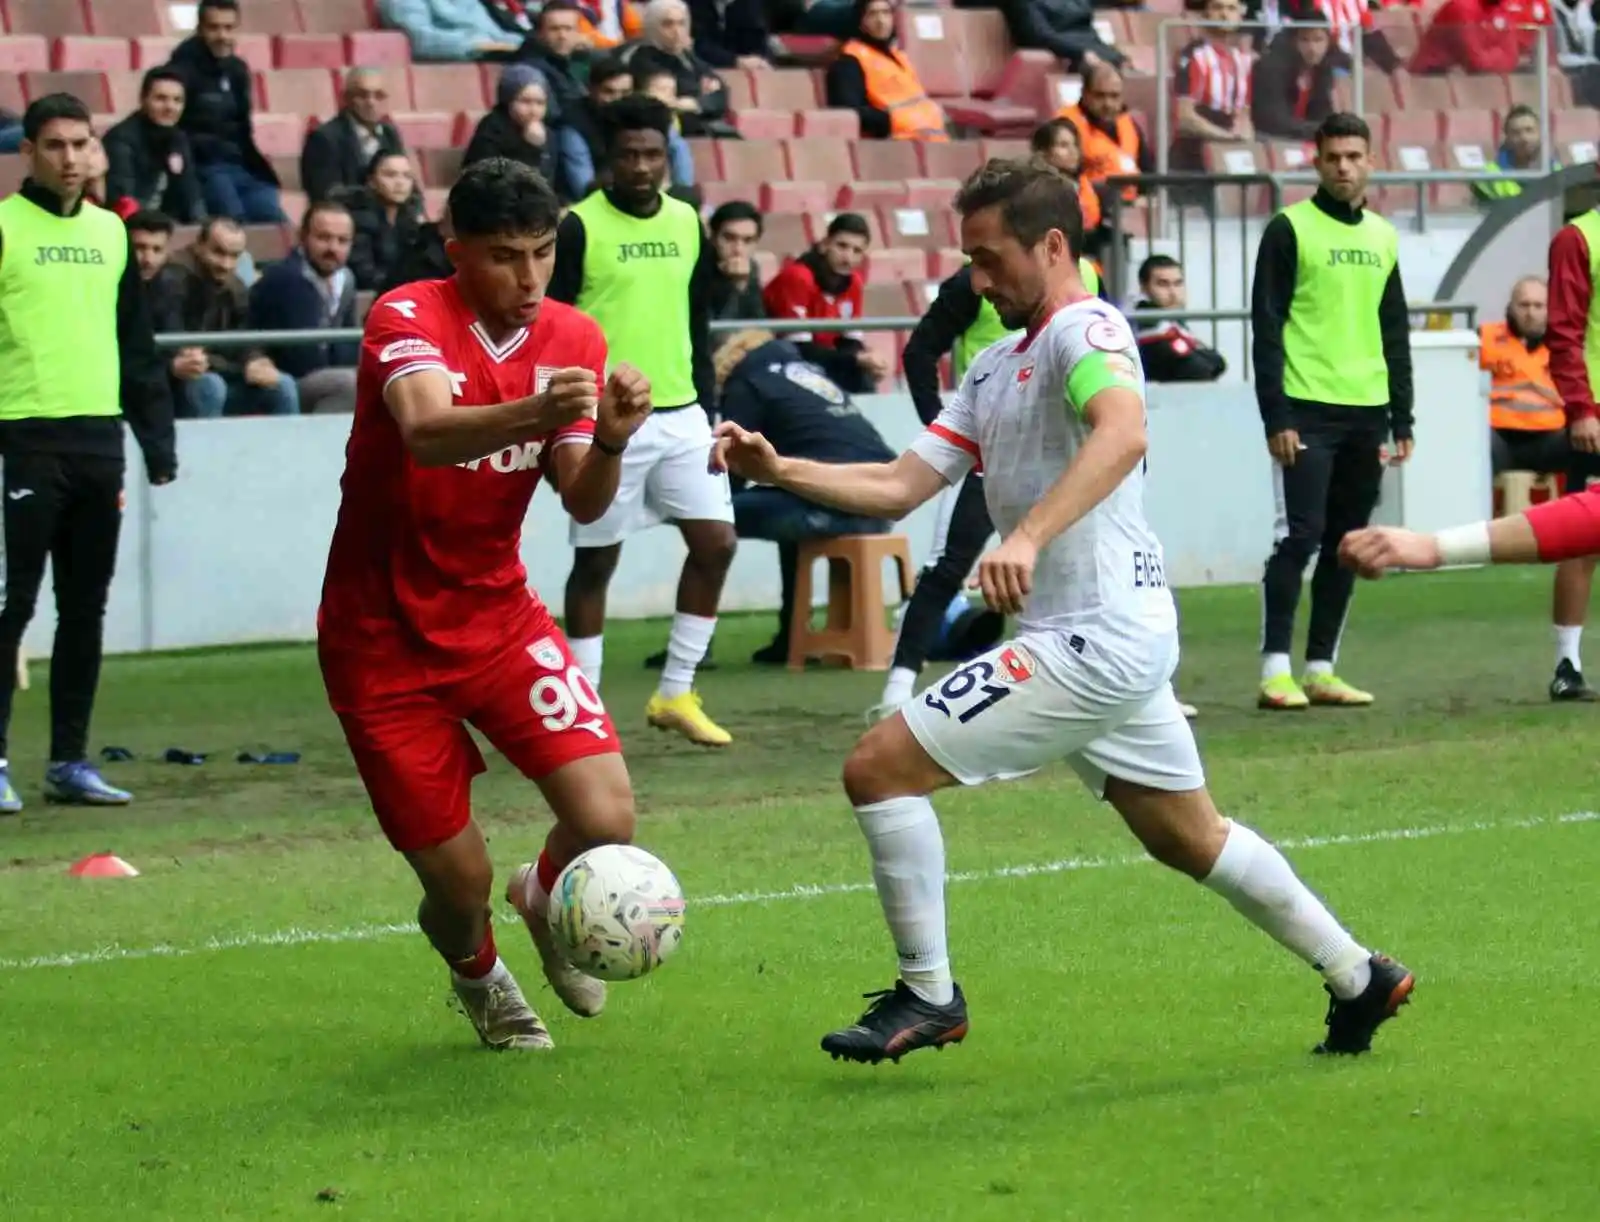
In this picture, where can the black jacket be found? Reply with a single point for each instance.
(1275, 90)
(1277, 268)
(497, 135)
(332, 163)
(216, 114)
(776, 392)
(1062, 27)
(285, 299)
(422, 259)
(146, 398)
(204, 305)
(154, 165)
(727, 29)
(380, 245)
(687, 68)
(567, 282)
(1172, 353)
(567, 77)
(736, 300)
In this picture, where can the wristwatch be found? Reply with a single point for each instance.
(614, 451)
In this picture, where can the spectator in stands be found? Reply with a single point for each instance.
(213, 382)
(516, 18)
(702, 102)
(151, 235)
(1211, 82)
(10, 131)
(826, 282)
(1168, 351)
(150, 157)
(425, 257)
(874, 78)
(1065, 28)
(579, 146)
(447, 29)
(1292, 90)
(516, 128)
(730, 33)
(766, 385)
(1479, 36)
(1057, 143)
(1578, 48)
(338, 155)
(313, 289)
(94, 186)
(1527, 423)
(556, 49)
(1113, 145)
(661, 85)
(1521, 150)
(736, 291)
(236, 179)
(387, 213)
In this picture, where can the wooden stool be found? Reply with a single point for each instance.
(1516, 489)
(857, 630)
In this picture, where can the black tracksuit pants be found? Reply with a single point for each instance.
(1329, 491)
(940, 581)
(67, 509)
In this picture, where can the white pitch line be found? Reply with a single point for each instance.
(367, 933)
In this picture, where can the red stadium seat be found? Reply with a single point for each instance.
(11, 97)
(794, 196)
(844, 124)
(785, 233)
(88, 87)
(447, 87)
(1478, 93)
(881, 160)
(1523, 89)
(308, 51)
(1399, 26)
(986, 46)
(153, 50)
(273, 17)
(396, 82)
(294, 205)
(741, 93)
(884, 297)
(439, 167)
(819, 159)
(331, 16)
(764, 124)
(466, 124)
(942, 264)
(21, 53)
(426, 129)
(124, 88)
(267, 243)
(896, 265)
(377, 49)
(93, 55)
(1421, 93)
(917, 228)
(1010, 149)
(12, 173)
(753, 162)
(1412, 127)
(931, 194)
(255, 50)
(52, 18)
(858, 196)
(714, 194)
(790, 89)
(307, 91)
(288, 171)
(130, 18)
(1471, 127)
(279, 135)
(707, 166)
(926, 36)
(956, 159)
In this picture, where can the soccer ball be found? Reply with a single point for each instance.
(616, 912)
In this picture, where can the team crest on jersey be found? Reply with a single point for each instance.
(547, 654)
(1023, 374)
(408, 349)
(1105, 335)
(541, 378)
(1018, 663)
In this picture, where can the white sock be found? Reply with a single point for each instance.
(691, 637)
(1273, 665)
(498, 974)
(1567, 641)
(900, 685)
(534, 895)
(1254, 877)
(589, 653)
(908, 866)
(1320, 669)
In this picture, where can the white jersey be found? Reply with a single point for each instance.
(1019, 413)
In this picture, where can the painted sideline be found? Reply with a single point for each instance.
(367, 933)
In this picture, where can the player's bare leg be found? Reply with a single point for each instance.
(592, 800)
(585, 612)
(888, 777)
(457, 881)
(1184, 830)
(676, 705)
(1569, 607)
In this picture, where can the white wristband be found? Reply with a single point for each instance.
(1464, 545)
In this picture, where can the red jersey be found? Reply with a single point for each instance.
(1571, 290)
(424, 581)
(795, 293)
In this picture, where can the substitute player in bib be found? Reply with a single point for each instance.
(470, 390)
(640, 264)
(1057, 417)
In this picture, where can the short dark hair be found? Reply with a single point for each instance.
(736, 210)
(1156, 263)
(221, 6)
(498, 196)
(606, 68)
(330, 207)
(1044, 136)
(48, 109)
(556, 6)
(155, 76)
(1520, 111)
(849, 222)
(1032, 197)
(148, 220)
(637, 112)
(209, 227)
(643, 76)
(382, 155)
(1342, 125)
(1312, 16)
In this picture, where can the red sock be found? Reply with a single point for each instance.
(481, 964)
(548, 870)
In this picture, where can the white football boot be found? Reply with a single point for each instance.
(500, 1014)
(583, 995)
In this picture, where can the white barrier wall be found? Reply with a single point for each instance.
(233, 551)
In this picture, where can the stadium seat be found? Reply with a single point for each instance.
(275, 17)
(152, 50)
(426, 129)
(21, 53)
(714, 194)
(917, 228)
(942, 264)
(1523, 90)
(767, 265)
(294, 205)
(447, 87)
(741, 93)
(985, 46)
(1378, 93)
(52, 18)
(884, 299)
(439, 167)
(308, 91)
(838, 124)
(1465, 155)
(466, 123)
(287, 168)
(255, 50)
(884, 160)
(11, 93)
(855, 631)
(1412, 127)
(377, 49)
(308, 51)
(89, 87)
(895, 266)
(11, 172)
(1479, 92)
(267, 243)
(130, 18)
(752, 161)
(707, 167)
(817, 158)
(1399, 26)
(790, 89)
(123, 89)
(433, 201)
(1421, 93)
(857, 196)
(754, 124)
(794, 196)
(279, 135)
(1471, 127)
(784, 233)
(92, 55)
(925, 38)
(931, 194)
(1289, 157)
(1025, 80)
(956, 159)
(332, 16)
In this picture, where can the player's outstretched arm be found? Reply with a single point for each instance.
(1557, 530)
(873, 490)
(440, 433)
(587, 476)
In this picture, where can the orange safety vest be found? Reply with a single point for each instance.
(1521, 395)
(1103, 156)
(892, 85)
(1088, 203)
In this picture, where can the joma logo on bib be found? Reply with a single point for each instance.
(1354, 258)
(629, 251)
(522, 457)
(69, 254)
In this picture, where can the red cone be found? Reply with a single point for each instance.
(102, 865)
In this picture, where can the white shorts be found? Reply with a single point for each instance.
(1041, 698)
(664, 479)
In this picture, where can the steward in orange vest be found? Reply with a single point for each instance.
(874, 78)
(1521, 394)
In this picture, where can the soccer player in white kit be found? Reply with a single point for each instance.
(1056, 417)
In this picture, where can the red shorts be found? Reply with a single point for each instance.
(417, 760)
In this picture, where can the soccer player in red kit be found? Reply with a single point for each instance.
(1548, 533)
(469, 391)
